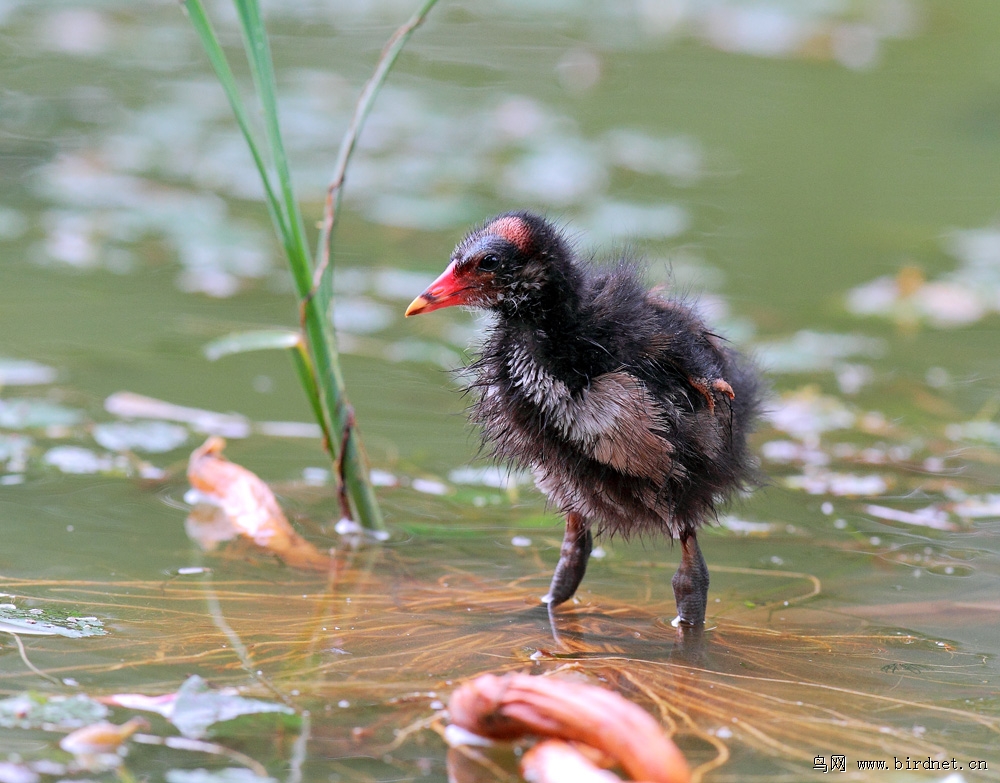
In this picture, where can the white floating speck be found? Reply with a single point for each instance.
(745, 526)
(382, 478)
(430, 486)
(930, 516)
(456, 736)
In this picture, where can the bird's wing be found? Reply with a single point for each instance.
(619, 423)
(687, 349)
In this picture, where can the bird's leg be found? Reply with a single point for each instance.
(573, 556)
(690, 583)
(707, 388)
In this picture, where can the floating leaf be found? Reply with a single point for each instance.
(196, 707)
(227, 775)
(78, 460)
(155, 437)
(489, 476)
(908, 298)
(978, 507)
(957, 298)
(34, 710)
(17, 773)
(23, 414)
(289, 429)
(983, 431)
(261, 340)
(747, 527)
(828, 482)
(361, 315)
(46, 622)
(14, 451)
(137, 406)
(161, 705)
(931, 517)
(23, 372)
(430, 486)
(615, 219)
(809, 351)
(786, 451)
(806, 414)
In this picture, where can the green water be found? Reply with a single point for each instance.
(776, 158)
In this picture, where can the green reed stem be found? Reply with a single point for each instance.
(317, 364)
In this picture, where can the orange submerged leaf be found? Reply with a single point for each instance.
(555, 761)
(516, 705)
(247, 504)
(101, 737)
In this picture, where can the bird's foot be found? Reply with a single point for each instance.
(573, 557)
(692, 616)
(708, 388)
(690, 585)
(691, 595)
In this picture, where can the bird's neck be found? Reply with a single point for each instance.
(552, 307)
(553, 330)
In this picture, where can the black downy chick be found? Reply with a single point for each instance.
(629, 412)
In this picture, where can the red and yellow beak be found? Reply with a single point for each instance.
(446, 291)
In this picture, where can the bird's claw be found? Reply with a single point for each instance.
(708, 388)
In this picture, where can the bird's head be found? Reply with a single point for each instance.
(505, 265)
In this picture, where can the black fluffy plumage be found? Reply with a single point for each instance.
(631, 414)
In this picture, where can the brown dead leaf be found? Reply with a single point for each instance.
(555, 761)
(248, 505)
(518, 704)
(101, 737)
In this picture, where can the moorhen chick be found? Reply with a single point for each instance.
(631, 414)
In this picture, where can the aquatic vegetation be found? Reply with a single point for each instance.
(47, 622)
(196, 709)
(29, 710)
(379, 667)
(315, 352)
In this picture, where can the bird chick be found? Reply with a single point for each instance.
(631, 414)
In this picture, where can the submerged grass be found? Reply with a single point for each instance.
(315, 352)
(387, 654)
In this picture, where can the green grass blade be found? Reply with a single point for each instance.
(217, 58)
(258, 51)
(318, 304)
(314, 349)
(306, 371)
(362, 109)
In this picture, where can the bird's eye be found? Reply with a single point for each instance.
(488, 263)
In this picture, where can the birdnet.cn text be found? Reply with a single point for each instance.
(839, 763)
